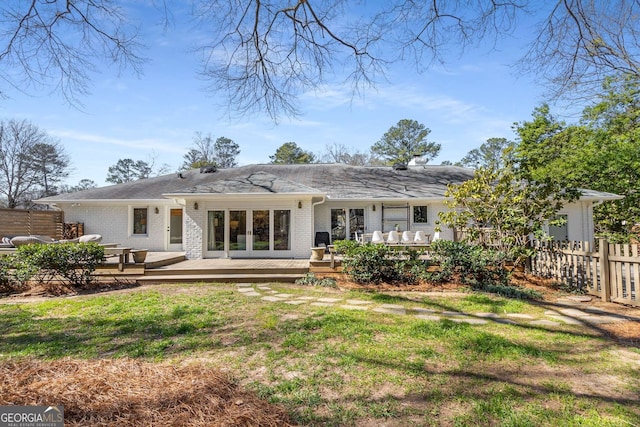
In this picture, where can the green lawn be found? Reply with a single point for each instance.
(331, 366)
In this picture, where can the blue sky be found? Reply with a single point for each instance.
(476, 97)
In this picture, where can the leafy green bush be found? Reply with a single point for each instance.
(311, 280)
(379, 263)
(13, 274)
(74, 262)
(475, 265)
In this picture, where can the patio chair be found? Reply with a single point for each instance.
(407, 237)
(436, 236)
(27, 240)
(377, 237)
(94, 238)
(394, 238)
(420, 238)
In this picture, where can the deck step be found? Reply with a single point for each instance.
(163, 262)
(226, 278)
(172, 271)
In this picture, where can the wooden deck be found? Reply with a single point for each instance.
(221, 270)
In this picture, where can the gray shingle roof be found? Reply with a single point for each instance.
(337, 181)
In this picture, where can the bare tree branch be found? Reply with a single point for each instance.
(264, 57)
(582, 42)
(59, 43)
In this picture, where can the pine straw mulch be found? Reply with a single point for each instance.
(126, 392)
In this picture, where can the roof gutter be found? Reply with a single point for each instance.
(324, 199)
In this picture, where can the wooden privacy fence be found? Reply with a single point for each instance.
(610, 271)
(18, 222)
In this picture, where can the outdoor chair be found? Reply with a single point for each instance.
(94, 238)
(27, 240)
(436, 236)
(394, 238)
(420, 238)
(377, 237)
(407, 237)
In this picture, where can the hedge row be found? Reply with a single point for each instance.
(67, 263)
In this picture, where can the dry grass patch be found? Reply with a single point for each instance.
(128, 392)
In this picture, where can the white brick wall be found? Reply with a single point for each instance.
(112, 222)
(303, 232)
(193, 233)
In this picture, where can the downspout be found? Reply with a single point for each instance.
(313, 216)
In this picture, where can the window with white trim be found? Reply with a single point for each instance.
(140, 221)
(420, 215)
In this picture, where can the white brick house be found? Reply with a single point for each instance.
(278, 211)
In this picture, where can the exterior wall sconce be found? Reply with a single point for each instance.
(157, 211)
(374, 208)
(299, 204)
(195, 206)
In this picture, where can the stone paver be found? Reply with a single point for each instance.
(567, 301)
(353, 307)
(600, 320)
(520, 316)
(252, 294)
(426, 311)
(505, 321)
(579, 298)
(322, 304)
(428, 317)
(566, 319)
(572, 312)
(331, 300)
(390, 310)
(470, 320)
(358, 302)
(576, 314)
(295, 302)
(488, 315)
(544, 322)
(453, 313)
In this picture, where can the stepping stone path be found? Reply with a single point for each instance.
(571, 311)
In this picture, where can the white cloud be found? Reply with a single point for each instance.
(143, 144)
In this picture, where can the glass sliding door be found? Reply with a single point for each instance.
(345, 223)
(261, 233)
(175, 229)
(282, 229)
(247, 233)
(237, 230)
(338, 224)
(356, 223)
(215, 230)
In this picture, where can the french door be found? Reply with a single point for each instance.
(345, 223)
(248, 232)
(175, 230)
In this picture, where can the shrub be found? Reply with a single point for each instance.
(311, 280)
(13, 274)
(474, 264)
(74, 262)
(379, 263)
